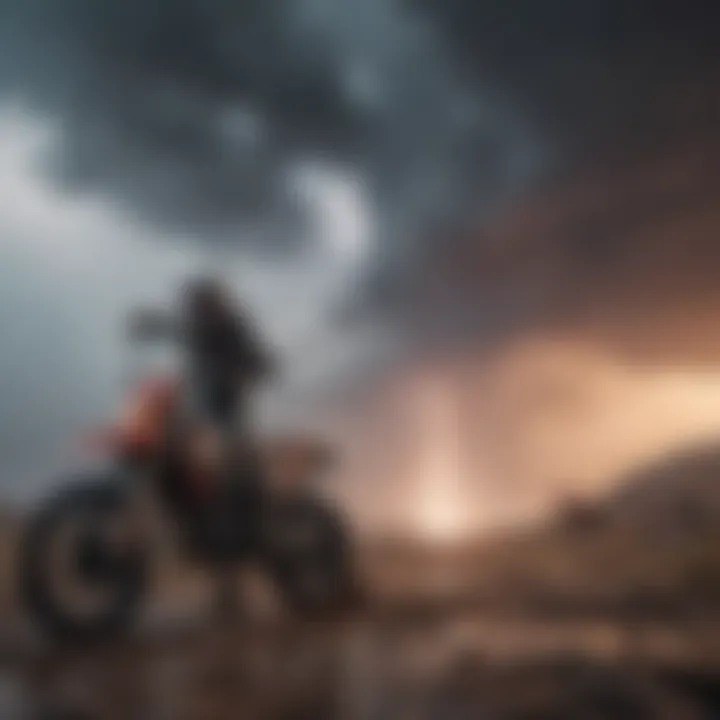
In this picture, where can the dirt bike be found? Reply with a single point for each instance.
(86, 554)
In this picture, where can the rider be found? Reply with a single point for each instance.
(225, 357)
(225, 360)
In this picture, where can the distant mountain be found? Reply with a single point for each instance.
(681, 492)
(651, 547)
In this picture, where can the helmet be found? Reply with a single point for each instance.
(204, 294)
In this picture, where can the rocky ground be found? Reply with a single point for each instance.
(451, 665)
(608, 612)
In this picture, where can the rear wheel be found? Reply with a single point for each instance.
(310, 557)
(81, 578)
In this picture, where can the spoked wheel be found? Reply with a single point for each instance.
(310, 557)
(82, 573)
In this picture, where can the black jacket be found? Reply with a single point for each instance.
(223, 348)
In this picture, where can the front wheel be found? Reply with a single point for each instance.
(79, 577)
(311, 558)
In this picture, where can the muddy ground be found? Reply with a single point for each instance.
(405, 655)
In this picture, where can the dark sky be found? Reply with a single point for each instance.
(191, 111)
(139, 136)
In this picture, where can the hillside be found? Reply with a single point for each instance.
(653, 547)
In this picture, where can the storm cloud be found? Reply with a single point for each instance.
(622, 100)
(592, 75)
(192, 111)
(195, 113)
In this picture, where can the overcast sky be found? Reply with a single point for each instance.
(319, 152)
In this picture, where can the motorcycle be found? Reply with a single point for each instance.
(86, 553)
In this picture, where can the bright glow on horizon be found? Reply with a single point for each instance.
(442, 509)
